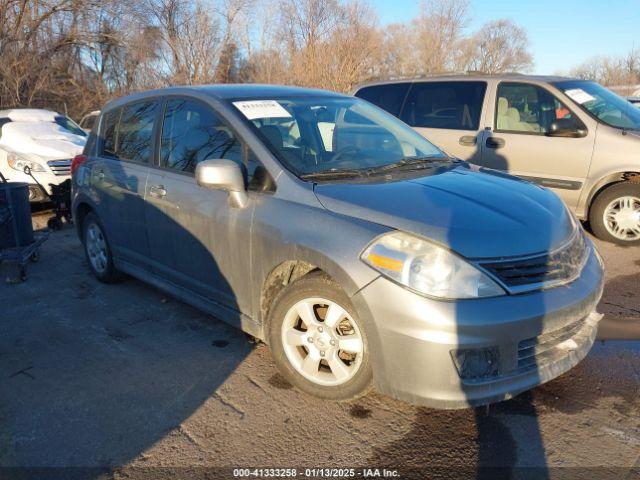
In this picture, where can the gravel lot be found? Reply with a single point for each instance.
(122, 378)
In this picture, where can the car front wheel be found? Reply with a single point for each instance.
(317, 341)
(615, 214)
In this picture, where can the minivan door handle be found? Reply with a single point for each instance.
(495, 142)
(468, 140)
(157, 191)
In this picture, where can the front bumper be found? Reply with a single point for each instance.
(413, 338)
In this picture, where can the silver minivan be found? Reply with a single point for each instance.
(573, 136)
(322, 225)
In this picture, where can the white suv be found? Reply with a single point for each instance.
(42, 140)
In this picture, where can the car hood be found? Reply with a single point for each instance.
(476, 212)
(45, 139)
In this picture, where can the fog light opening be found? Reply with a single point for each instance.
(477, 363)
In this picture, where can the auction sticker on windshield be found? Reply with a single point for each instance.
(253, 109)
(579, 96)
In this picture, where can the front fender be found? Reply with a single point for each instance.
(285, 231)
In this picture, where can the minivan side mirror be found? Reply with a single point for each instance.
(568, 128)
(223, 175)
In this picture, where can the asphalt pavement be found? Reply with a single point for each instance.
(121, 381)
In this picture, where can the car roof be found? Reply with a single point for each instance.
(29, 115)
(469, 77)
(239, 91)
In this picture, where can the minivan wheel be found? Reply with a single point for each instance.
(615, 214)
(97, 251)
(318, 343)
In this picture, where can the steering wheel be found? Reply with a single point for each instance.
(342, 152)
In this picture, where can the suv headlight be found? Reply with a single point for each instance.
(18, 162)
(427, 268)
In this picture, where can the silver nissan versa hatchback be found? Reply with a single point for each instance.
(357, 250)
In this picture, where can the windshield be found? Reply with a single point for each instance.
(602, 104)
(336, 136)
(70, 125)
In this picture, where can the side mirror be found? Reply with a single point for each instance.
(568, 128)
(223, 175)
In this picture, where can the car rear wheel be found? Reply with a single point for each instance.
(97, 250)
(615, 214)
(317, 341)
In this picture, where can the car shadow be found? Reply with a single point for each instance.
(93, 375)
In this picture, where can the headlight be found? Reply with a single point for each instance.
(427, 268)
(18, 162)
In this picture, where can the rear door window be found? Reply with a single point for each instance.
(388, 97)
(448, 105)
(135, 132)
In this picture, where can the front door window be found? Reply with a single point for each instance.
(526, 108)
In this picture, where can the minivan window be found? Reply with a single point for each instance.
(602, 103)
(527, 108)
(450, 105)
(389, 97)
(192, 133)
(135, 132)
(335, 135)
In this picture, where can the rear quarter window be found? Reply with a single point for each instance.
(448, 105)
(109, 133)
(388, 97)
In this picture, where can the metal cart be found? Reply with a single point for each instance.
(18, 256)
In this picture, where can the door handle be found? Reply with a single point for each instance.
(495, 142)
(157, 191)
(468, 140)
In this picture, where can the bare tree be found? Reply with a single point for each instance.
(612, 71)
(430, 43)
(499, 46)
(73, 55)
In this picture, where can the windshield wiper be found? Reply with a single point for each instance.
(333, 174)
(412, 162)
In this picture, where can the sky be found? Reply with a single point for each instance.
(562, 33)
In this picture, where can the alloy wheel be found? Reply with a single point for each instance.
(96, 248)
(322, 341)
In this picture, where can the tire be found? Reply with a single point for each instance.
(353, 376)
(610, 204)
(104, 269)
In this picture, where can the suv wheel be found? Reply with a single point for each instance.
(96, 248)
(317, 341)
(615, 214)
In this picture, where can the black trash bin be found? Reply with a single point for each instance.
(16, 229)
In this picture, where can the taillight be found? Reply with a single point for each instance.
(77, 161)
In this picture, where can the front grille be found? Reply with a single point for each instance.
(560, 266)
(541, 350)
(60, 167)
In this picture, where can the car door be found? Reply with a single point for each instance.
(520, 140)
(448, 113)
(197, 240)
(119, 177)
